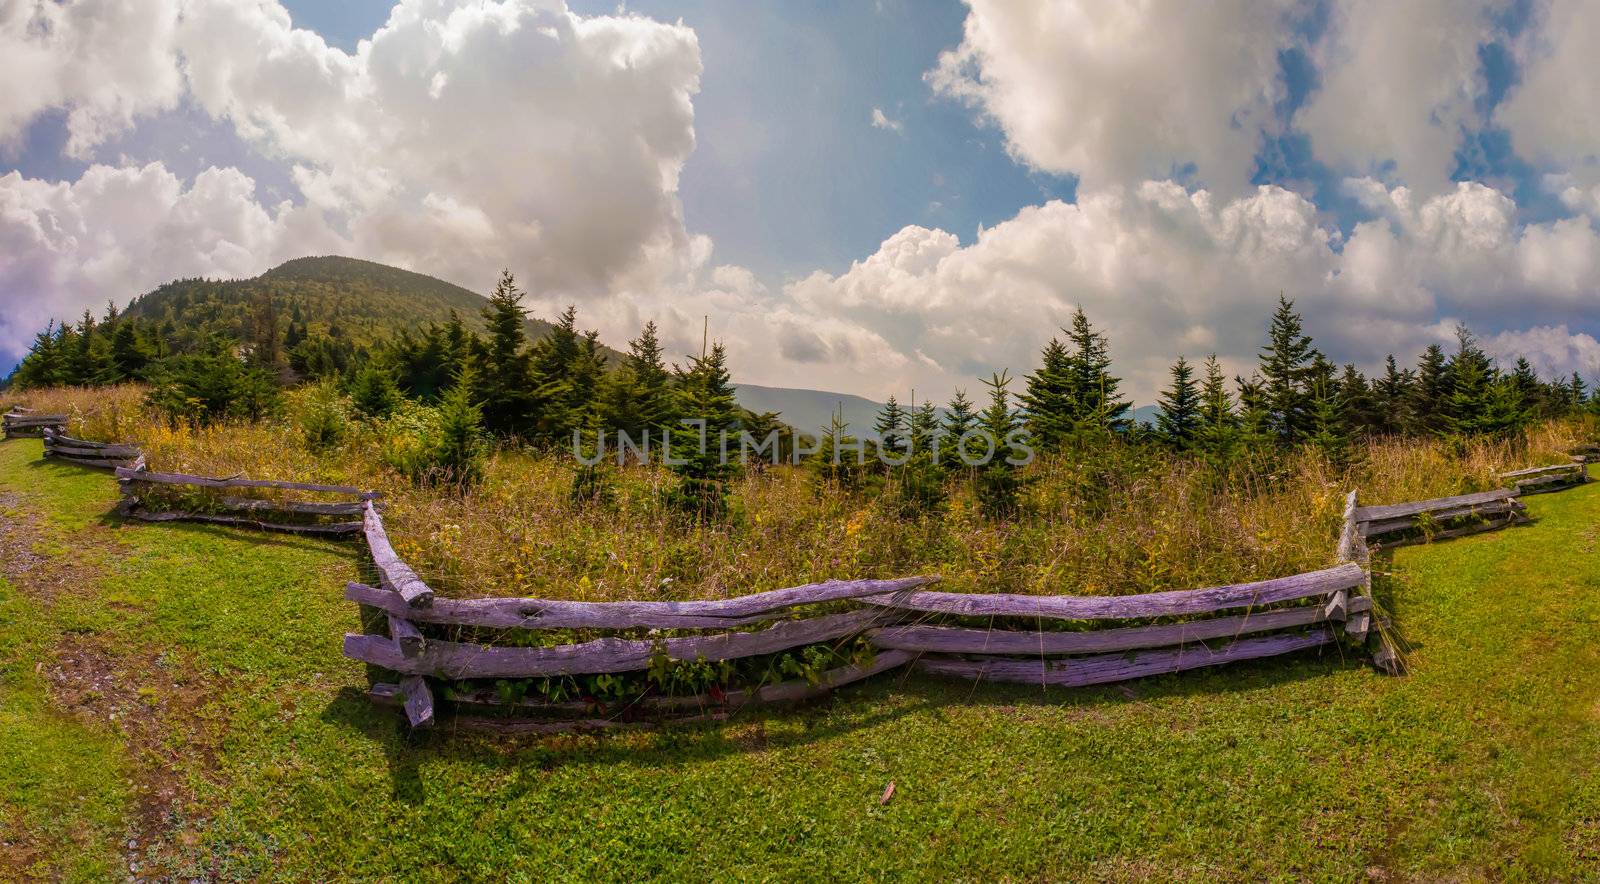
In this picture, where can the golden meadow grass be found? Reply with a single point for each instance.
(1124, 520)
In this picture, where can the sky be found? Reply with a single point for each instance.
(870, 197)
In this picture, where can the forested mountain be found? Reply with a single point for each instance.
(359, 302)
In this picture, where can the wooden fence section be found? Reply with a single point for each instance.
(105, 455)
(1550, 478)
(25, 424)
(1062, 640)
(1401, 523)
(291, 516)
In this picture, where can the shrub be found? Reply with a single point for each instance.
(323, 419)
(374, 393)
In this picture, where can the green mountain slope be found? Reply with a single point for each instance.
(361, 300)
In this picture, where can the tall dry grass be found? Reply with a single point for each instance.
(1123, 520)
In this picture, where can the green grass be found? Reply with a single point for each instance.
(1479, 764)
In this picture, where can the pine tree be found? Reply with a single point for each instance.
(128, 356)
(502, 378)
(1432, 391)
(1577, 397)
(703, 467)
(1218, 423)
(1357, 400)
(837, 463)
(959, 417)
(891, 426)
(1394, 398)
(1472, 376)
(1529, 391)
(1255, 413)
(374, 392)
(1285, 362)
(1180, 419)
(999, 483)
(1051, 399)
(459, 450)
(919, 483)
(652, 390)
(1093, 387)
(1327, 428)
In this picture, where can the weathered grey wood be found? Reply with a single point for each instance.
(406, 636)
(257, 505)
(1408, 523)
(1106, 668)
(1540, 471)
(1155, 604)
(1510, 519)
(453, 660)
(1337, 608)
(110, 452)
(211, 482)
(960, 640)
(418, 700)
(1544, 484)
(526, 613)
(1350, 534)
(397, 575)
(1412, 508)
(1385, 659)
(30, 421)
(340, 529)
(1358, 625)
(64, 439)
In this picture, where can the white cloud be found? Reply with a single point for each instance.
(880, 120)
(1553, 113)
(115, 233)
(104, 62)
(1398, 85)
(1120, 92)
(1552, 350)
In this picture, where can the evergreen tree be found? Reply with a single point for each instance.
(1432, 391)
(1285, 362)
(837, 463)
(891, 426)
(374, 392)
(999, 483)
(1255, 413)
(502, 378)
(703, 467)
(459, 450)
(1525, 383)
(1328, 428)
(1093, 387)
(919, 483)
(1577, 399)
(1472, 376)
(1394, 397)
(1051, 398)
(1180, 418)
(1218, 423)
(1358, 402)
(959, 417)
(128, 356)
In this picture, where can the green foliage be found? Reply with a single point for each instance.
(206, 388)
(839, 463)
(324, 420)
(440, 446)
(1285, 365)
(891, 427)
(702, 459)
(374, 392)
(999, 483)
(1180, 419)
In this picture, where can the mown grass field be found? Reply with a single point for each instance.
(173, 699)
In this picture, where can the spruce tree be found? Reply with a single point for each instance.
(837, 465)
(652, 383)
(128, 356)
(1394, 398)
(891, 426)
(1432, 391)
(1285, 362)
(959, 417)
(1218, 423)
(919, 483)
(374, 392)
(999, 483)
(1051, 398)
(502, 379)
(704, 471)
(1092, 385)
(556, 366)
(1357, 400)
(1180, 419)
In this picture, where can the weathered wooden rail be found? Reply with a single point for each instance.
(1550, 478)
(104, 455)
(25, 424)
(1061, 640)
(289, 516)
(1401, 523)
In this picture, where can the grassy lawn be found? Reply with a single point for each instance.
(180, 689)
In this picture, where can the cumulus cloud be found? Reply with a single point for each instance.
(1168, 271)
(1553, 113)
(116, 232)
(105, 63)
(1399, 82)
(460, 138)
(1120, 92)
(880, 120)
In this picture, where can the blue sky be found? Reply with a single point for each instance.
(1421, 166)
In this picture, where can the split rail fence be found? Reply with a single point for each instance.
(412, 635)
(23, 423)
